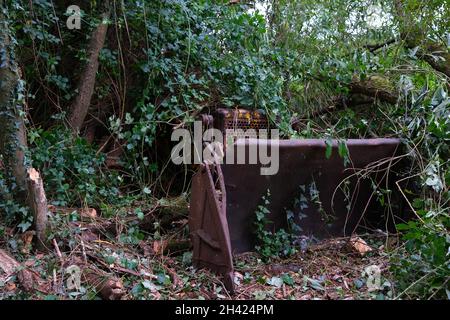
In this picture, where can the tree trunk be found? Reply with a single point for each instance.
(13, 143)
(80, 106)
(12, 128)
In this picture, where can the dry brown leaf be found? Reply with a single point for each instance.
(10, 286)
(27, 239)
(159, 246)
(358, 245)
(88, 213)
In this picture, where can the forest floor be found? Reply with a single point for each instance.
(134, 268)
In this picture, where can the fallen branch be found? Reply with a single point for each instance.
(375, 47)
(114, 267)
(58, 252)
(88, 214)
(10, 266)
(375, 87)
(434, 53)
(164, 212)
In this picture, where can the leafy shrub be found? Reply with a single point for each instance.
(272, 244)
(13, 211)
(422, 267)
(71, 169)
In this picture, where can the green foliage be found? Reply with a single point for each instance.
(71, 169)
(342, 150)
(331, 41)
(272, 244)
(422, 268)
(422, 121)
(165, 61)
(14, 212)
(182, 56)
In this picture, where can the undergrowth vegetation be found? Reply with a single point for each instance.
(72, 169)
(319, 69)
(271, 243)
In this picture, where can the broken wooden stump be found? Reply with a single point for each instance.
(38, 205)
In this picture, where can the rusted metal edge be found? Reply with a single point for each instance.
(209, 225)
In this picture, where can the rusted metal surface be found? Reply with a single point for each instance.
(208, 223)
(240, 119)
(310, 186)
(325, 197)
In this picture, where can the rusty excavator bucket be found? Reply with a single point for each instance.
(325, 196)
